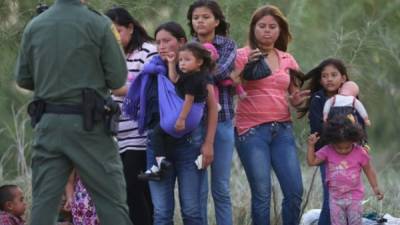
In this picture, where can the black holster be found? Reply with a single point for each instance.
(35, 110)
(95, 108)
(112, 114)
(92, 108)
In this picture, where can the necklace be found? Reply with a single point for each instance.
(266, 52)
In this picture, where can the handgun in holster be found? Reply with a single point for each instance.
(35, 111)
(112, 114)
(89, 102)
(96, 109)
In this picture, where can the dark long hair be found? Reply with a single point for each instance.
(174, 28)
(223, 26)
(269, 10)
(314, 76)
(122, 17)
(200, 52)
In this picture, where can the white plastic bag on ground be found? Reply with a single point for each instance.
(311, 218)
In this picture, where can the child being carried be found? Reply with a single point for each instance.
(190, 79)
(346, 103)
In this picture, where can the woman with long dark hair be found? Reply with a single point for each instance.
(208, 25)
(139, 49)
(264, 132)
(147, 108)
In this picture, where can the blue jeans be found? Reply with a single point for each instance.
(325, 216)
(190, 180)
(220, 175)
(265, 146)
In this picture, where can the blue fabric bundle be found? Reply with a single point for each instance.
(152, 98)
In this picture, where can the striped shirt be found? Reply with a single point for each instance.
(225, 64)
(266, 99)
(128, 136)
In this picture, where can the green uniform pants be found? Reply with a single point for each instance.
(61, 144)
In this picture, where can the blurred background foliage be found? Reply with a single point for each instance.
(363, 33)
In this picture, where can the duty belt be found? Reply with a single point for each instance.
(63, 109)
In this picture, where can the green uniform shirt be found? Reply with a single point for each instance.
(67, 48)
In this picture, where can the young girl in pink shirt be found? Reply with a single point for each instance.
(345, 158)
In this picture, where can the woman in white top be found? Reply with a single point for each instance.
(138, 48)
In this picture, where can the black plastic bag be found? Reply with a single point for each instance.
(256, 70)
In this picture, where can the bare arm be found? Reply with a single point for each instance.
(187, 105)
(172, 74)
(297, 96)
(207, 149)
(312, 160)
(122, 91)
(373, 181)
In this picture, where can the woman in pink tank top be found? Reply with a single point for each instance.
(264, 136)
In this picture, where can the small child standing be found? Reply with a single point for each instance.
(346, 103)
(12, 205)
(345, 158)
(79, 202)
(191, 79)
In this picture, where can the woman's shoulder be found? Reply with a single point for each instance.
(148, 47)
(287, 59)
(220, 38)
(224, 42)
(244, 50)
(146, 51)
(318, 95)
(283, 54)
(317, 100)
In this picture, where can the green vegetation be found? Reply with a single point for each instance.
(364, 33)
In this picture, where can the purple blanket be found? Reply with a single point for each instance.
(170, 104)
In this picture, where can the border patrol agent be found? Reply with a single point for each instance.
(70, 59)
